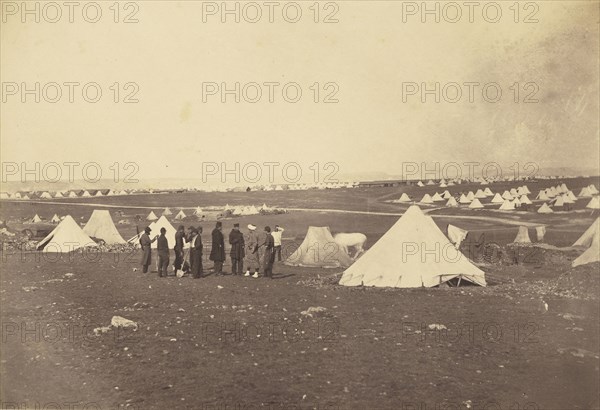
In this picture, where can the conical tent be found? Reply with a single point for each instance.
(167, 212)
(525, 199)
(420, 183)
(513, 192)
(590, 238)
(403, 198)
(198, 210)
(470, 196)
(463, 199)
(497, 199)
(507, 206)
(592, 189)
(566, 199)
(101, 226)
(542, 195)
(558, 201)
(526, 190)
(180, 215)
(155, 230)
(545, 209)
(488, 191)
(58, 195)
(412, 253)
(437, 198)
(594, 203)
(480, 194)
(151, 216)
(572, 196)
(66, 237)
(426, 199)
(446, 195)
(476, 204)
(585, 192)
(319, 250)
(55, 219)
(507, 195)
(516, 202)
(85, 194)
(98, 193)
(456, 235)
(522, 235)
(587, 237)
(430, 182)
(452, 202)
(72, 194)
(36, 219)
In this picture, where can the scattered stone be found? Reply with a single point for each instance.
(118, 321)
(313, 311)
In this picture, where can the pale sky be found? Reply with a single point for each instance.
(370, 53)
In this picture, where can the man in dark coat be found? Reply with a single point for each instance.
(162, 247)
(217, 252)
(195, 253)
(236, 240)
(179, 236)
(269, 253)
(146, 244)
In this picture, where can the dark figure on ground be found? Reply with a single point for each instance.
(196, 252)
(217, 252)
(269, 253)
(146, 244)
(162, 247)
(236, 240)
(179, 237)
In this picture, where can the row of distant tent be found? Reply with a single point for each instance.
(239, 210)
(443, 183)
(509, 200)
(66, 194)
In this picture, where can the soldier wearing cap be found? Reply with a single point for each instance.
(146, 244)
(162, 247)
(217, 251)
(179, 237)
(252, 259)
(236, 240)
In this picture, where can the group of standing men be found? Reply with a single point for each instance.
(256, 251)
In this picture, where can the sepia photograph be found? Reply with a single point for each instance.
(300, 205)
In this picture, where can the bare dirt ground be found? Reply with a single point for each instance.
(530, 340)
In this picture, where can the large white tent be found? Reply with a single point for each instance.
(403, 257)
(101, 226)
(155, 230)
(594, 203)
(319, 250)
(591, 240)
(66, 237)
